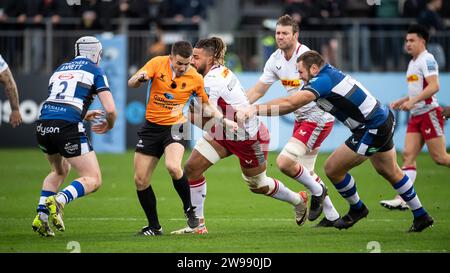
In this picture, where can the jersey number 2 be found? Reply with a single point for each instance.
(60, 95)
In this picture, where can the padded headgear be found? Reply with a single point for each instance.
(89, 47)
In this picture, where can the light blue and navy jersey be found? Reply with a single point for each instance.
(71, 90)
(346, 99)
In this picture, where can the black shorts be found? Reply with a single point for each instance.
(69, 139)
(154, 138)
(370, 141)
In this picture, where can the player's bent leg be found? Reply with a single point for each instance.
(437, 150)
(413, 145)
(59, 171)
(386, 165)
(205, 154)
(337, 166)
(288, 163)
(261, 184)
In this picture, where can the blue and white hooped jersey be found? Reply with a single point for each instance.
(346, 99)
(72, 88)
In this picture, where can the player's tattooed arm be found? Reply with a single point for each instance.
(7, 79)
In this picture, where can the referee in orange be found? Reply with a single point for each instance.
(173, 82)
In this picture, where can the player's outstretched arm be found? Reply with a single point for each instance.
(7, 79)
(286, 105)
(257, 91)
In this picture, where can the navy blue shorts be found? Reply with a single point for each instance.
(370, 141)
(69, 139)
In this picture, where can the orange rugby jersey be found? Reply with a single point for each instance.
(165, 104)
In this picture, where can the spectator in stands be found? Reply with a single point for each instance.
(300, 11)
(389, 58)
(90, 15)
(187, 14)
(13, 18)
(433, 22)
(412, 8)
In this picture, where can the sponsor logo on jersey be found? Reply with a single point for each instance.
(66, 76)
(225, 72)
(168, 96)
(71, 148)
(431, 65)
(412, 78)
(293, 83)
(43, 130)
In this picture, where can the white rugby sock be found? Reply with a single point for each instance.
(283, 193)
(328, 208)
(198, 196)
(303, 176)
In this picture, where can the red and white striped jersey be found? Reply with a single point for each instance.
(423, 66)
(278, 68)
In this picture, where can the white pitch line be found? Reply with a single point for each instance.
(209, 219)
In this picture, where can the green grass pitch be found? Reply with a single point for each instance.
(237, 220)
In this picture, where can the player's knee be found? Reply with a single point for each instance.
(63, 169)
(141, 182)
(260, 183)
(331, 171)
(441, 159)
(283, 165)
(189, 170)
(174, 170)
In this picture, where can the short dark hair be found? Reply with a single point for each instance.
(287, 20)
(421, 31)
(182, 48)
(311, 57)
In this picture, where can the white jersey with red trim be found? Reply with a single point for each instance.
(423, 66)
(227, 93)
(278, 68)
(3, 64)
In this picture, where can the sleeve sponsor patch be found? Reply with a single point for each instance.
(431, 65)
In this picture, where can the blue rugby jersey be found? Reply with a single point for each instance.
(71, 90)
(346, 99)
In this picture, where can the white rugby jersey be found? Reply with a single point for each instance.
(278, 68)
(227, 93)
(423, 66)
(3, 64)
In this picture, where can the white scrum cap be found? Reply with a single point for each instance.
(89, 47)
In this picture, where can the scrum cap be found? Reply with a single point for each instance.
(89, 47)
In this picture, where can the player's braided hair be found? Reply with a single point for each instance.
(216, 47)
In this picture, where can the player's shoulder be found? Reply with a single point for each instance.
(194, 75)
(302, 48)
(426, 57)
(275, 56)
(158, 61)
(427, 60)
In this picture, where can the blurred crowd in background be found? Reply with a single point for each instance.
(327, 25)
